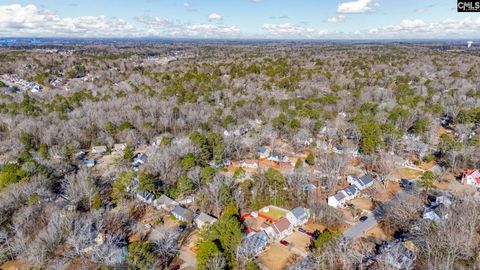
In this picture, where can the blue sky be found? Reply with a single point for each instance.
(290, 19)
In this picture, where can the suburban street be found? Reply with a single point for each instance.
(361, 228)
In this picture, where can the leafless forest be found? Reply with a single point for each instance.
(189, 107)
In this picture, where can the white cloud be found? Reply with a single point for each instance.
(410, 24)
(358, 6)
(154, 21)
(215, 17)
(417, 28)
(188, 7)
(288, 29)
(336, 19)
(18, 20)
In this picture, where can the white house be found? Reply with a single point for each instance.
(342, 196)
(250, 164)
(300, 216)
(263, 151)
(275, 156)
(203, 220)
(362, 182)
(182, 214)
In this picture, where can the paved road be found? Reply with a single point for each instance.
(359, 228)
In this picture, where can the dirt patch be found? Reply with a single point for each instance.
(277, 257)
(362, 203)
(311, 227)
(377, 233)
(392, 188)
(428, 165)
(299, 240)
(14, 265)
(452, 185)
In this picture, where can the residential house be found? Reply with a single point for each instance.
(280, 229)
(472, 178)
(80, 154)
(362, 182)
(203, 220)
(342, 196)
(240, 132)
(249, 163)
(165, 203)
(139, 159)
(187, 200)
(263, 152)
(217, 165)
(397, 255)
(182, 214)
(337, 148)
(120, 147)
(89, 162)
(301, 216)
(145, 197)
(276, 156)
(102, 149)
(254, 243)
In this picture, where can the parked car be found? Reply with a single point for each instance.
(315, 235)
(283, 242)
(363, 218)
(302, 230)
(405, 183)
(181, 228)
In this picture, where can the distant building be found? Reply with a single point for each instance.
(120, 147)
(249, 163)
(145, 197)
(276, 156)
(89, 162)
(263, 152)
(102, 149)
(139, 159)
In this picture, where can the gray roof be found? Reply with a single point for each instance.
(340, 196)
(365, 180)
(254, 243)
(182, 212)
(300, 213)
(351, 190)
(164, 199)
(262, 149)
(206, 218)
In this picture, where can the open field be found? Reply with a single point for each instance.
(273, 212)
(407, 173)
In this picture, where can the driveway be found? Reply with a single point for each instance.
(360, 228)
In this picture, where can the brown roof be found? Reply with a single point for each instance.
(281, 225)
